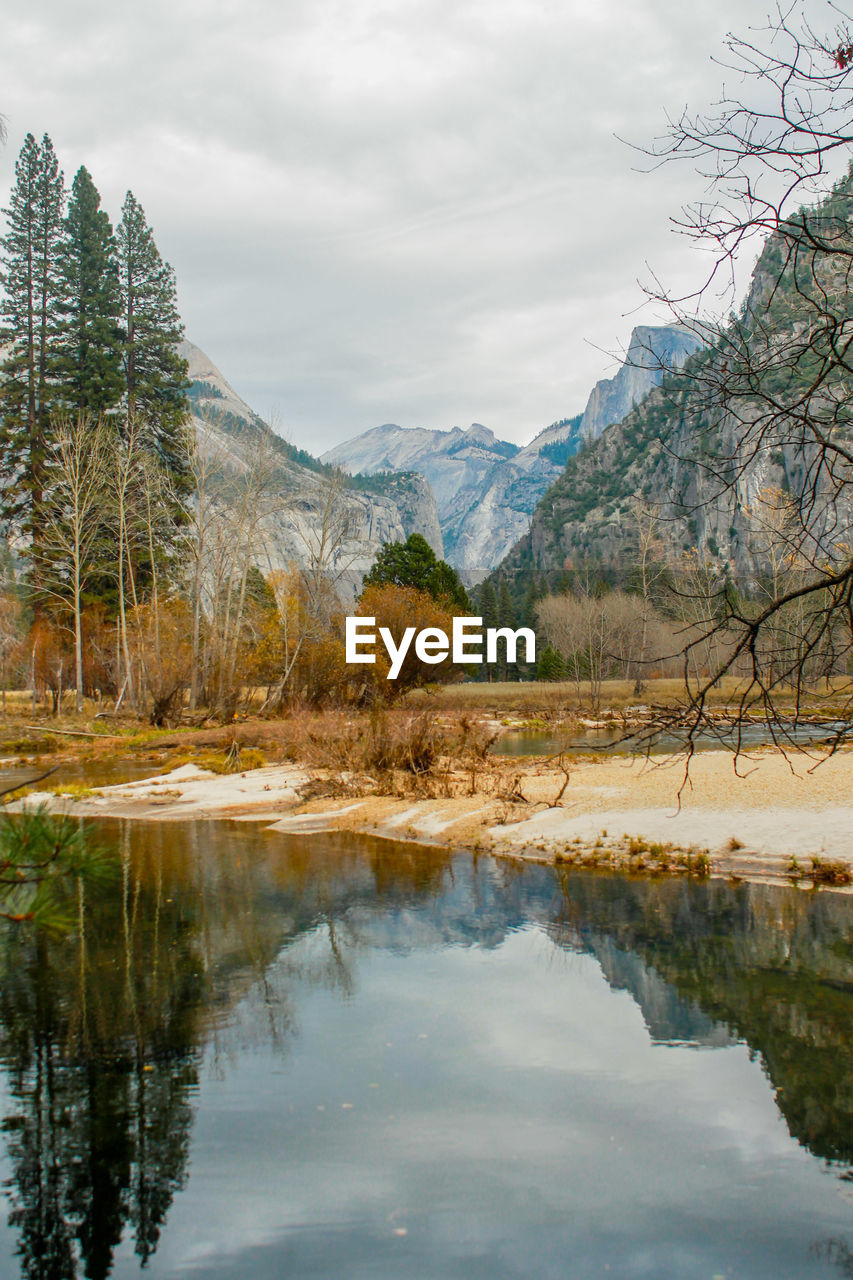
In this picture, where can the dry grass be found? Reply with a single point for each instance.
(823, 871)
(413, 741)
(551, 702)
(829, 871)
(636, 857)
(437, 734)
(236, 759)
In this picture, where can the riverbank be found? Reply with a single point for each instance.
(768, 817)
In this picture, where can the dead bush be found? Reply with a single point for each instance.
(385, 741)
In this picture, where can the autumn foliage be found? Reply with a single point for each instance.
(397, 608)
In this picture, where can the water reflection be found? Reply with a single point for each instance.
(769, 966)
(201, 960)
(550, 742)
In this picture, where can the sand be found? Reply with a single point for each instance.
(752, 816)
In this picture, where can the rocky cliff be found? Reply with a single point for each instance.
(459, 466)
(714, 487)
(742, 457)
(487, 489)
(652, 351)
(383, 509)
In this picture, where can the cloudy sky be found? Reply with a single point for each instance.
(411, 211)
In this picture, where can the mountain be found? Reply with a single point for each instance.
(652, 350)
(725, 452)
(487, 489)
(486, 519)
(379, 509)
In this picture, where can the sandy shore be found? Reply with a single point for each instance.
(753, 821)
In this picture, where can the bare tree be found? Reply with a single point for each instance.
(255, 499)
(123, 489)
(776, 380)
(10, 636)
(71, 516)
(698, 586)
(602, 635)
(651, 569)
(235, 492)
(326, 533)
(207, 457)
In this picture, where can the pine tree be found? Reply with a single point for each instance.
(551, 665)
(506, 618)
(90, 346)
(487, 608)
(30, 276)
(155, 374)
(531, 598)
(488, 604)
(506, 608)
(413, 563)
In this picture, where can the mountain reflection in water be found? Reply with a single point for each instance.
(201, 958)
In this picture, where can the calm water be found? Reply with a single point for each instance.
(547, 742)
(269, 1056)
(99, 772)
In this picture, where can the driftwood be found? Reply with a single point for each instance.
(70, 733)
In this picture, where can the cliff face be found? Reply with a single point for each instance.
(727, 453)
(651, 352)
(672, 460)
(478, 525)
(450, 460)
(485, 520)
(385, 512)
(705, 486)
(487, 489)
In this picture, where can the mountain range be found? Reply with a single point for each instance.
(487, 489)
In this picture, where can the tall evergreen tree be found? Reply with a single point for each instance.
(489, 604)
(90, 345)
(506, 608)
(155, 374)
(551, 665)
(487, 608)
(531, 597)
(506, 618)
(28, 326)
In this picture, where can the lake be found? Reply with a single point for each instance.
(266, 1056)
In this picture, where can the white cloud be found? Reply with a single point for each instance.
(411, 211)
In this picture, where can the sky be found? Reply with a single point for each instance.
(410, 211)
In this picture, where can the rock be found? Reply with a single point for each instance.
(386, 512)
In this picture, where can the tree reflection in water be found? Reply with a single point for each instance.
(103, 1031)
(773, 967)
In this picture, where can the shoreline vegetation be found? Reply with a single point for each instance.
(426, 771)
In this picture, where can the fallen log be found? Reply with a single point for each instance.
(71, 733)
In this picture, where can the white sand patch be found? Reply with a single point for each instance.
(184, 773)
(192, 792)
(400, 819)
(431, 824)
(775, 833)
(755, 818)
(318, 821)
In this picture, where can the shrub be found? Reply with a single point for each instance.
(397, 608)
